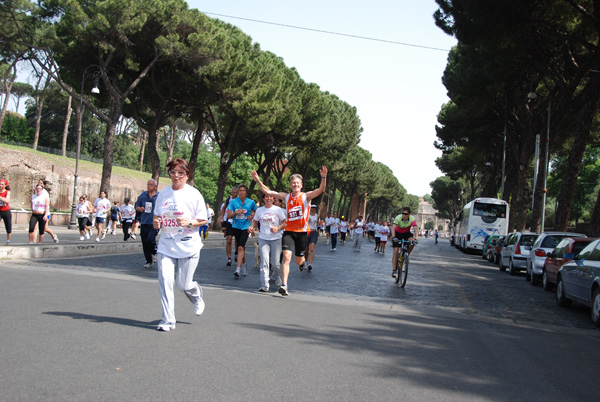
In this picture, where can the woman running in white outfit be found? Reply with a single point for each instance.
(179, 211)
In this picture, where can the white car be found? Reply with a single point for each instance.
(545, 243)
(514, 254)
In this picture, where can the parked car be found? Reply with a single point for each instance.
(494, 253)
(489, 242)
(545, 243)
(579, 280)
(566, 250)
(515, 252)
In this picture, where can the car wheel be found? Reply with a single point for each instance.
(502, 267)
(596, 307)
(535, 279)
(545, 282)
(511, 268)
(561, 298)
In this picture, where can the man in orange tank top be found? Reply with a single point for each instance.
(297, 206)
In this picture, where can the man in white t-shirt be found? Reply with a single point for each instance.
(101, 208)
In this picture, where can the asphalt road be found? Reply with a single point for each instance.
(83, 329)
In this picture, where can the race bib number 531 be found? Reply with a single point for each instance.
(295, 213)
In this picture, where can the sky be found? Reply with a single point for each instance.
(396, 87)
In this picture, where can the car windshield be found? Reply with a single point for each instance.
(528, 240)
(578, 246)
(551, 241)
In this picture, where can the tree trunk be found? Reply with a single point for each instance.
(66, 127)
(595, 221)
(198, 136)
(567, 192)
(38, 120)
(143, 137)
(152, 145)
(109, 145)
(7, 88)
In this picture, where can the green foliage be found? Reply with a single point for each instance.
(15, 129)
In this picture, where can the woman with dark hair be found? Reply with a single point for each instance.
(179, 211)
(5, 213)
(40, 210)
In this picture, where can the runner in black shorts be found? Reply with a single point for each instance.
(297, 206)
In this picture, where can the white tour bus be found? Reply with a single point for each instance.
(480, 218)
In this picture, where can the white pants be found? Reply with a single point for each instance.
(185, 282)
(270, 251)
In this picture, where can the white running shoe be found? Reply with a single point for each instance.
(245, 269)
(133, 236)
(237, 272)
(103, 235)
(87, 236)
(82, 238)
(55, 237)
(165, 327)
(199, 307)
(283, 290)
(98, 240)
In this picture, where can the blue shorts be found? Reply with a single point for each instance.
(100, 220)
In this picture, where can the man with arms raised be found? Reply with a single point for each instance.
(297, 206)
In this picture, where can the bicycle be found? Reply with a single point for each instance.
(401, 272)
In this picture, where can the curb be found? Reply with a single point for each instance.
(36, 251)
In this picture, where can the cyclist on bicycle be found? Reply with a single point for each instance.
(401, 231)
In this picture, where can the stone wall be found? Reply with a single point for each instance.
(24, 169)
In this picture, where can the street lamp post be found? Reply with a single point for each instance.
(547, 165)
(93, 71)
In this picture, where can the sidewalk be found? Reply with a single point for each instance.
(69, 244)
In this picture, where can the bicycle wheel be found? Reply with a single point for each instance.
(398, 267)
(403, 272)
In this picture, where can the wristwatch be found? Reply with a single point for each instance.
(190, 225)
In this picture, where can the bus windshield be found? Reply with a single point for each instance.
(485, 210)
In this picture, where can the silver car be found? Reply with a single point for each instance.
(545, 243)
(515, 252)
(579, 280)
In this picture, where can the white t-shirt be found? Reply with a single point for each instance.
(38, 202)
(210, 214)
(83, 210)
(127, 212)
(358, 226)
(334, 225)
(177, 241)
(102, 207)
(384, 231)
(313, 222)
(376, 228)
(344, 226)
(267, 218)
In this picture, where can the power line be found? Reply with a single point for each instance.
(329, 32)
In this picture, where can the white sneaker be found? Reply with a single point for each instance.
(114, 233)
(199, 307)
(165, 327)
(154, 259)
(148, 265)
(237, 272)
(245, 269)
(87, 236)
(103, 235)
(133, 236)
(55, 237)
(283, 290)
(98, 240)
(82, 238)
